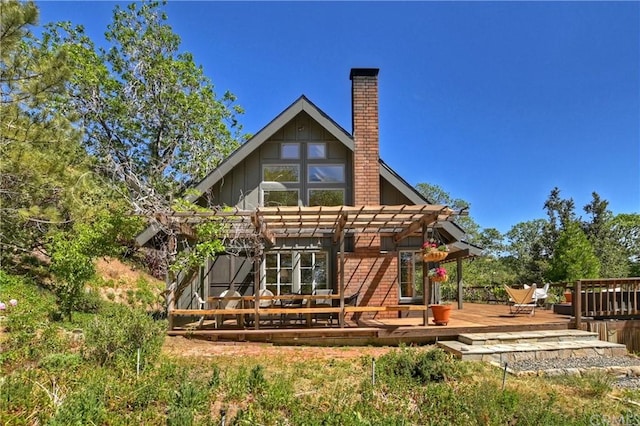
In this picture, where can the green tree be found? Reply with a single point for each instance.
(525, 250)
(626, 228)
(437, 195)
(151, 116)
(607, 246)
(42, 165)
(574, 257)
(560, 212)
(73, 252)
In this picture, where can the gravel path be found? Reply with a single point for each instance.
(627, 368)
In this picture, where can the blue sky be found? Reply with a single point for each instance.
(496, 102)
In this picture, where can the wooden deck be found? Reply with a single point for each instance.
(477, 318)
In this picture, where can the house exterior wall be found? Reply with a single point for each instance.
(242, 186)
(374, 275)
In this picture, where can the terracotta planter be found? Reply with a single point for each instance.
(441, 314)
(568, 297)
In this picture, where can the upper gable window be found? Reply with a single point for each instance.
(316, 151)
(281, 173)
(326, 173)
(326, 197)
(290, 151)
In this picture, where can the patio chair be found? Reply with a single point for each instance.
(522, 300)
(541, 294)
(226, 304)
(266, 303)
(324, 303)
(200, 301)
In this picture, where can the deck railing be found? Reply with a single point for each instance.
(614, 298)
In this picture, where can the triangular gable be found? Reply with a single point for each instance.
(301, 104)
(240, 154)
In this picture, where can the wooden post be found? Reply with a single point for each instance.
(172, 281)
(426, 294)
(459, 275)
(341, 289)
(256, 290)
(577, 304)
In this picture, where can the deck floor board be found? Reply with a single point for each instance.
(473, 317)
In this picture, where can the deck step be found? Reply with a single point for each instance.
(510, 352)
(530, 345)
(526, 337)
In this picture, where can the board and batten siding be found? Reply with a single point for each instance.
(241, 186)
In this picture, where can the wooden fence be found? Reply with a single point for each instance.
(611, 298)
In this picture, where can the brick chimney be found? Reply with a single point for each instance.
(364, 104)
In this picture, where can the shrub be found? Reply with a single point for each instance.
(420, 366)
(119, 332)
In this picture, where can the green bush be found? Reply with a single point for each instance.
(117, 334)
(89, 301)
(61, 361)
(419, 366)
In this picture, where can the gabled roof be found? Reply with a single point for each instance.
(301, 104)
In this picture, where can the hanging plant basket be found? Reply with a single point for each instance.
(439, 278)
(434, 255)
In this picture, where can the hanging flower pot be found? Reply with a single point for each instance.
(438, 275)
(434, 256)
(439, 278)
(441, 314)
(432, 252)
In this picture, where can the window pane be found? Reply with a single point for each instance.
(281, 174)
(286, 260)
(271, 260)
(411, 274)
(306, 275)
(316, 150)
(290, 151)
(306, 260)
(280, 198)
(326, 174)
(326, 197)
(272, 276)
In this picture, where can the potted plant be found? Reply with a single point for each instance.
(438, 274)
(441, 313)
(432, 252)
(568, 296)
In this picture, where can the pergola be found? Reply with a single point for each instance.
(267, 224)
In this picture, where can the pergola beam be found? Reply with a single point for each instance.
(261, 227)
(416, 226)
(338, 235)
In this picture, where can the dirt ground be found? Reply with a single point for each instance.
(181, 346)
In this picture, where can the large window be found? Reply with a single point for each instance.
(280, 198)
(326, 173)
(326, 197)
(281, 173)
(411, 275)
(295, 271)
